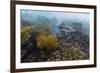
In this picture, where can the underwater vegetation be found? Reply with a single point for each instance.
(41, 45)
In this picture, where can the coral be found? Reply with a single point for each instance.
(25, 34)
(47, 41)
